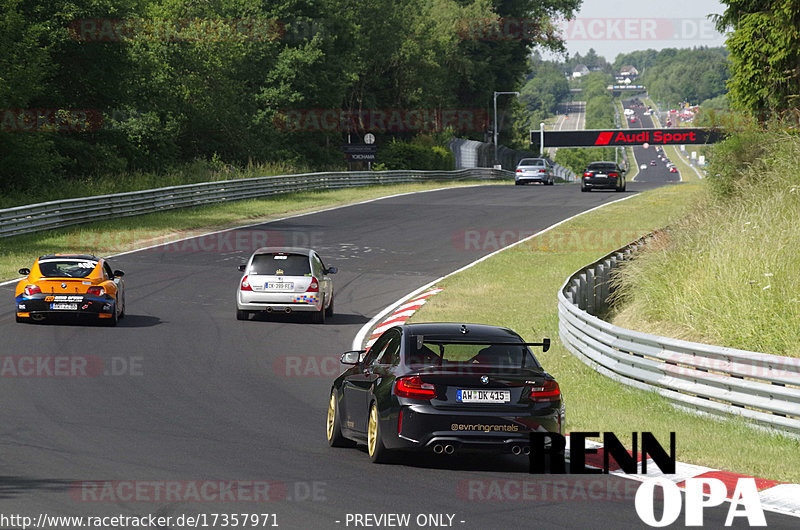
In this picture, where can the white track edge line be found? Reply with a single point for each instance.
(358, 341)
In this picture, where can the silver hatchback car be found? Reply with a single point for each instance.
(534, 170)
(285, 279)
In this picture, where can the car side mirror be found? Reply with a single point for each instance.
(352, 357)
(24, 272)
(243, 267)
(331, 270)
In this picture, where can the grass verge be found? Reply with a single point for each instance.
(538, 268)
(726, 274)
(192, 173)
(105, 238)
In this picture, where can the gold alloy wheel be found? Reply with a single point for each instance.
(372, 431)
(331, 415)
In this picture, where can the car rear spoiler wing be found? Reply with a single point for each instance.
(545, 344)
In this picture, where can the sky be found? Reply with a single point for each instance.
(622, 26)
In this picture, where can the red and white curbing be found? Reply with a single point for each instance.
(775, 496)
(401, 314)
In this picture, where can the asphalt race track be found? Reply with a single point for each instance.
(181, 395)
(659, 172)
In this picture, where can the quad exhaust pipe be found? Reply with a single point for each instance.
(438, 448)
(521, 450)
(286, 310)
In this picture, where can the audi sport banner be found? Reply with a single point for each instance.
(615, 137)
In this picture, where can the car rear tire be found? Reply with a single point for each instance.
(378, 454)
(20, 319)
(550, 182)
(329, 311)
(517, 183)
(319, 316)
(242, 315)
(584, 188)
(334, 425)
(111, 322)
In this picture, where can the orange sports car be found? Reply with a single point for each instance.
(77, 285)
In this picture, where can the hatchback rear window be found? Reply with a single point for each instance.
(281, 264)
(67, 268)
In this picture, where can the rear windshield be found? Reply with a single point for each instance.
(281, 264)
(603, 166)
(67, 268)
(531, 162)
(465, 355)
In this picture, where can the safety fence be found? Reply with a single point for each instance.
(762, 388)
(471, 154)
(67, 212)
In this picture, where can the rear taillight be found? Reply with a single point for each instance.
(31, 290)
(587, 174)
(413, 387)
(314, 287)
(96, 290)
(245, 285)
(400, 422)
(549, 391)
(519, 171)
(615, 175)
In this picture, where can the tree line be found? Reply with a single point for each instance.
(93, 87)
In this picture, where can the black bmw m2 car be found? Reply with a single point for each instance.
(445, 388)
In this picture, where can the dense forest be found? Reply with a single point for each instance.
(91, 87)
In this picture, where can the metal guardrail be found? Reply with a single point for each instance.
(762, 388)
(58, 214)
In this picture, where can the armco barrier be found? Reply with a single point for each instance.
(762, 388)
(58, 214)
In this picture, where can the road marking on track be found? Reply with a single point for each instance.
(360, 339)
(165, 243)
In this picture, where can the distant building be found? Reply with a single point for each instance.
(629, 71)
(580, 71)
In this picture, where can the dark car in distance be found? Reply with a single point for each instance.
(444, 388)
(607, 175)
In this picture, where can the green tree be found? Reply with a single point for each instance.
(765, 54)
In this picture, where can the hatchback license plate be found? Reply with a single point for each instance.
(483, 396)
(279, 286)
(66, 307)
